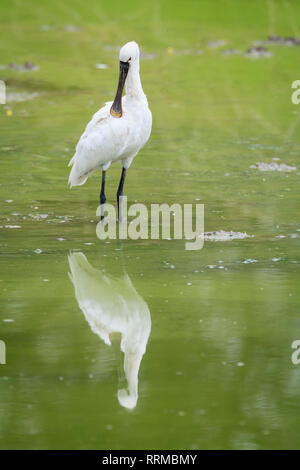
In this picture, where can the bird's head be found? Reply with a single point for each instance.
(129, 57)
(130, 53)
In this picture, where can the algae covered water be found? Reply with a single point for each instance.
(201, 351)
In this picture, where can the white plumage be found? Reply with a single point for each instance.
(118, 130)
(113, 305)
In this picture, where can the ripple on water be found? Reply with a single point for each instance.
(273, 166)
(18, 97)
(223, 236)
(258, 51)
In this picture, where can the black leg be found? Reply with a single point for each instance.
(120, 193)
(102, 195)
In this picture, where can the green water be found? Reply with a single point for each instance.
(217, 372)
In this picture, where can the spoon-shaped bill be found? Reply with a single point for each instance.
(116, 108)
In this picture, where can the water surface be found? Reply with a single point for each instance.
(215, 369)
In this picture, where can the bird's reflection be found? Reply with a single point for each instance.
(113, 305)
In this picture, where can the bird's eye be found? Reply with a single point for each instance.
(129, 59)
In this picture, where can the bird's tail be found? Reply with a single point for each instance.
(75, 178)
(72, 160)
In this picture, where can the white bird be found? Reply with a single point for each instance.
(118, 130)
(112, 305)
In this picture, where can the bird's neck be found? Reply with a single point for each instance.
(133, 85)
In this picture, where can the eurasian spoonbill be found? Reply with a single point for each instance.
(117, 131)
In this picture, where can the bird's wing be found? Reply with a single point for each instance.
(98, 117)
(102, 142)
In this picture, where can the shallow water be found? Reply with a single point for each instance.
(217, 371)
